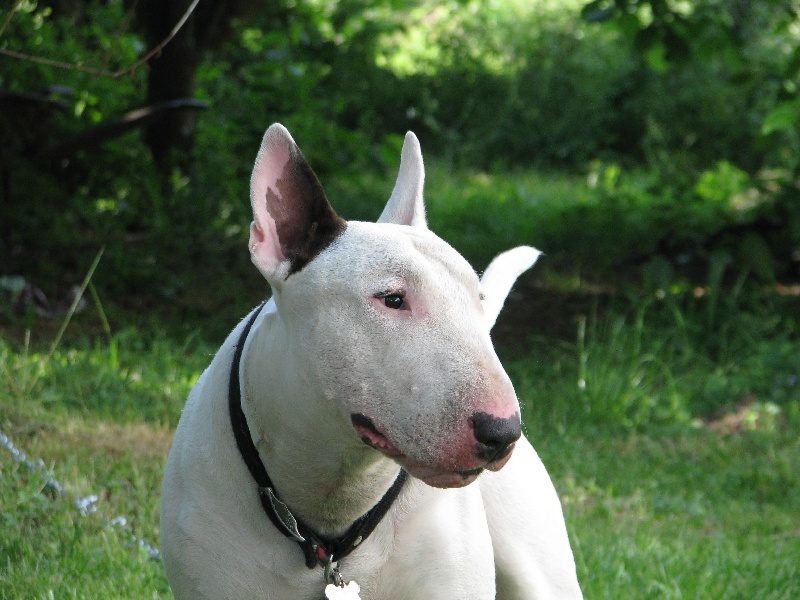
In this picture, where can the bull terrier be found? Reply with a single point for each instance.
(356, 436)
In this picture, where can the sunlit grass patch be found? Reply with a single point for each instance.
(78, 537)
(97, 418)
(127, 379)
(689, 515)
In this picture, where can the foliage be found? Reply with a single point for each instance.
(734, 69)
(701, 136)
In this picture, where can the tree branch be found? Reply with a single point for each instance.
(10, 14)
(93, 70)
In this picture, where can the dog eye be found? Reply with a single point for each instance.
(393, 301)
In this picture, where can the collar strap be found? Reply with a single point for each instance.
(317, 549)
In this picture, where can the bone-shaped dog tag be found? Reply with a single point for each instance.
(345, 592)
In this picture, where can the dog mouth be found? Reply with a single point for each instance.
(373, 438)
(433, 476)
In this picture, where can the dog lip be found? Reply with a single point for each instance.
(499, 463)
(443, 479)
(372, 436)
(362, 420)
(470, 472)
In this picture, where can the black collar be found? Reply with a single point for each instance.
(318, 550)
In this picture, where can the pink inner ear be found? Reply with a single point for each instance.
(265, 247)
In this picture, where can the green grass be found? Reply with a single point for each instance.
(590, 224)
(687, 515)
(663, 498)
(675, 361)
(666, 411)
(49, 550)
(670, 428)
(100, 417)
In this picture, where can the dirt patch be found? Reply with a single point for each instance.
(749, 415)
(534, 309)
(117, 439)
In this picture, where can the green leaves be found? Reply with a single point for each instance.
(782, 117)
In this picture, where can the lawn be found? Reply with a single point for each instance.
(665, 410)
(707, 510)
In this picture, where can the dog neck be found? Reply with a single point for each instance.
(320, 468)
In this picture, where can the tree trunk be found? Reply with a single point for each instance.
(172, 76)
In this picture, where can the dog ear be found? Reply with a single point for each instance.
(500, 275)
(293, 220)
(406, 206)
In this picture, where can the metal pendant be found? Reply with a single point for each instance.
(283, 513)
(336, 588)
(343, 592)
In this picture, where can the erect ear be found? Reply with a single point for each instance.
(293, 220)
(500, 275)
(405, 206)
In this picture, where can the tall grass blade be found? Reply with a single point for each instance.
(99, 305)
(70, 313)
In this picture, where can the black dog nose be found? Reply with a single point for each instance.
(495, 436)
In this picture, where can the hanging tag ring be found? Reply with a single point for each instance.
(332, 574)
(336, 588)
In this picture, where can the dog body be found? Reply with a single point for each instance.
(373, 354)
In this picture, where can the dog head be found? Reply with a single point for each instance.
(386, 319)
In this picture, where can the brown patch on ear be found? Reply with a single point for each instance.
(305, 221)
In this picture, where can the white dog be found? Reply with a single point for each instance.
(348, 438)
